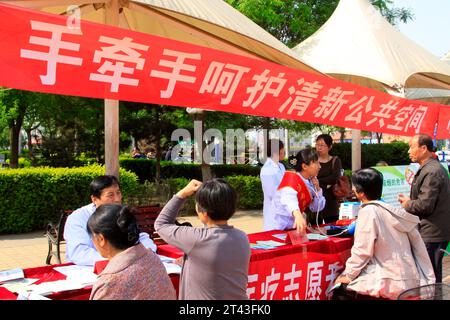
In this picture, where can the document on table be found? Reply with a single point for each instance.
(47, 288)
(170, 265)
(18, 284)
(271, 243)
(315, 236)
(84, 275)
(11, 274)
(281, 236)
(30, 296)
(266, 245)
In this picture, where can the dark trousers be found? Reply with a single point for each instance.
(436, 256)
(342, 293)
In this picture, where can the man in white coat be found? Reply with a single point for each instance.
(271, 174)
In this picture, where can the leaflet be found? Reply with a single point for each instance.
(11, 274)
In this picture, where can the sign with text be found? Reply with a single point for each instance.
(301, 276)
(48, 53)
(398, 179)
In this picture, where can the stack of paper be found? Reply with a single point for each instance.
(31, 296)
(266, 245)
(82, 275)
(315, 236)
(11, 274)
(18, 284)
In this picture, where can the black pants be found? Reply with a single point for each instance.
(436, 256)
(342, 293)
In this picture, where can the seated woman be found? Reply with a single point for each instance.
(133, 272)
(297, 191)
(217, 256)
(388, 254)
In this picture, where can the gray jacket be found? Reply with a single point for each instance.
(430, 196)
(216, 259)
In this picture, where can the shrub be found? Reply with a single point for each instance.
(146, 169)
(33, 197)
(394, 153)
(249, 190)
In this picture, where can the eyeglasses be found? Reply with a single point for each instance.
(321, 145)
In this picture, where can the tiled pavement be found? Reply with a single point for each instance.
(30, 249)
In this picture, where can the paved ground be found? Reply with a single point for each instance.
(30, 249)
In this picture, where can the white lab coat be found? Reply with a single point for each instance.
(271, 175)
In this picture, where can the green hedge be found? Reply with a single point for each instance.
(248, 189)
(394, 153)
(33, 197)
(146, 169)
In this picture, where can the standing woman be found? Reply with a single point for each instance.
(271, 174)
(330, 171)
(133, 272)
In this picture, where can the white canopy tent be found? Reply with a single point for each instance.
(358, 45)
(209, 23)
(441, 96)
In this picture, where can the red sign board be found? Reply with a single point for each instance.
(47, 53)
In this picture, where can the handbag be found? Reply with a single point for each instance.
(342, 188)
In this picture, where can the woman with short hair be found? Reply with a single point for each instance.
(133, 272)
(388, 255)
(216, 257)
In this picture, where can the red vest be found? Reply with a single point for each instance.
(293, 180)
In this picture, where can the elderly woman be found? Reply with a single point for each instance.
(388, 254)
(216, 257)
(133, 272)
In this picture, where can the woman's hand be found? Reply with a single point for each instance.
(315, 182)
(342, 279)
(189, 189)
(299, 222)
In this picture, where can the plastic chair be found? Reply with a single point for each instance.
(437, 291)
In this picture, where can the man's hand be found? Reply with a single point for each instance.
(189, 189)
(299, 222)
(403, 199)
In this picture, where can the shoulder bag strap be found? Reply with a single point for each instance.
(418, 266)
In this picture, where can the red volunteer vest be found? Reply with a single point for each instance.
(293, 180)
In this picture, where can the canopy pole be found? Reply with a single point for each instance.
(111, 110)
(356, 150)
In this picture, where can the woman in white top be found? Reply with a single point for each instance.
(297, 191)
(271, 174)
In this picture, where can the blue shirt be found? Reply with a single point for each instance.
(79, 246)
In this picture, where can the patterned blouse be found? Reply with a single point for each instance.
(134, 274)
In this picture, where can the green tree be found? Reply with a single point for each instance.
(293, 21)
(154, 124)
(13, 107)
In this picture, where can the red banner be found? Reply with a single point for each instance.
(301, 276)
(48, 53)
